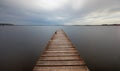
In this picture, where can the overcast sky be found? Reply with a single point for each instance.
(60, 12)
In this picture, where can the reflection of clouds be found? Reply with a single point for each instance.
(68, 12)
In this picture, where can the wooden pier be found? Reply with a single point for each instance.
(60, 55)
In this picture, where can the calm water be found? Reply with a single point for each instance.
(21, 46)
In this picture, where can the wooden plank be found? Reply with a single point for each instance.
(64, 63)
(61, 58)
(52, 55)
(60, 55)
(62, 51)
(62, 68)
(60, 46)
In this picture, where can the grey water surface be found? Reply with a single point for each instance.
(21, 46)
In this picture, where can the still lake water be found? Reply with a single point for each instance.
(21, 46)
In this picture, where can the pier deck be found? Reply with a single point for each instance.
(60, 55)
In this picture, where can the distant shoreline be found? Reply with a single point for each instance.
(60, 25)
(7, 24)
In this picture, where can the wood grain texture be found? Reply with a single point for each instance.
(61, 68)
(60, 55)
(62, 63)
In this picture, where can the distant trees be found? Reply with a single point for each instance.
(6, 24)
(110, 24)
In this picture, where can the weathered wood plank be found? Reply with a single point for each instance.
(62, 68)
(60, 55)
(60, 48)
(61, 58)
(64, 63)
(61, 51)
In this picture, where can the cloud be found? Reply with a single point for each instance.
(98, 12)
(60, 12)
(37, 4)
(97, 18)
